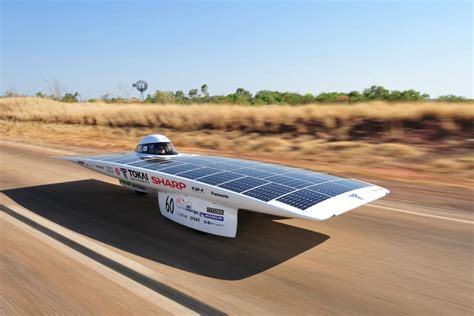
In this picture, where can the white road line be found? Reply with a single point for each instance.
(424, 214)
(151, 296)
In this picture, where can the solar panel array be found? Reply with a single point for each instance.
(265, 182)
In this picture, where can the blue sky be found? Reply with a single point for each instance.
(98, 47)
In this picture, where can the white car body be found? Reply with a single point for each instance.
(211, 208)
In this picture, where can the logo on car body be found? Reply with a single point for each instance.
(356, 196)
(168, 183)
(215, 211)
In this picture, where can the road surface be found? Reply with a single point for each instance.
(73, 241)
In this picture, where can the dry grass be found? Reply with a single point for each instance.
(409, 141)
(414, 163)
(375, 121)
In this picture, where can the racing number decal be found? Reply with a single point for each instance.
(169, 205)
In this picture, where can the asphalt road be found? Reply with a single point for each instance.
(74, 240)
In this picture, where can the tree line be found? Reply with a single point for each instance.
(242, 96)
(263, 97)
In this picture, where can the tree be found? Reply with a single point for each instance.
(204, 90)
(193, 93)
(70, 97)
(355, 96)
(11, 93)
(40, 94)
(451, 98)
(241, 96)
(328, 97)
(375, 93)
(164, 97)
(179, 94)
(106, 97)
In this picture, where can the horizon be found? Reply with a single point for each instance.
(103, 47)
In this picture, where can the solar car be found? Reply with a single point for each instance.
(206, 192)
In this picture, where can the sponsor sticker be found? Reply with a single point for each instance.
(356, 196)
(212, 223)
(117, 171)
(168, 183)
(99, 167)
(194, 219)
(217, 211)
(182, 203)
(80, 162)
(197, 189)
(109, 169)
(212, 216)
(225, 196)
(138, 176)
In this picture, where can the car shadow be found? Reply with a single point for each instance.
(118, 217)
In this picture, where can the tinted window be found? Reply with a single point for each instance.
(157, 149)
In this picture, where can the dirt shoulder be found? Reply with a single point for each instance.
(388, 162)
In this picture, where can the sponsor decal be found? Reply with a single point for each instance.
(109, 169)
(212, 216)
(80, 162)
(215, 211)
(192, 211)
(212, 223)
(99, 167)
(182, 215)
(138, 176)
(356, 196)
(225, 196)
(168, 183)
(195, 219)
(197, 189)
(181, 202)
(117, 171)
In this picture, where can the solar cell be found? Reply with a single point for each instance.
(353, 184)
(242, 184)
(330, 188)
(219, 178)
(272, 169)
(254, 173)
(221, 166)
(313, 179)
(198, 173)
(162, 165)
(327, 177)
(119, 158)
(288, 181)
(218, 159)
(241, 163)
(193, 160)
(129, 160)
(268, 192)
(303, 199)
(141, 163)
(179, 168)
